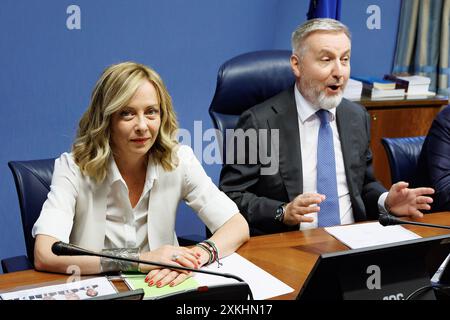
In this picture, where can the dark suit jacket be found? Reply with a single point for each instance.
(434, 161)
(258, 196)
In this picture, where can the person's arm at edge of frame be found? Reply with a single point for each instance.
(45, 260)
(438, 159)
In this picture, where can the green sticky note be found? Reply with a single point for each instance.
(138, 282)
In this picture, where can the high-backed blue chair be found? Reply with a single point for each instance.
(32, 179)
(403, 154)
(245, 81)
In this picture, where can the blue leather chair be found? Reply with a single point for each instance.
(32, 179)
(245, 81)
(403, 154)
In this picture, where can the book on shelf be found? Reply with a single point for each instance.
(376, 83)
(413, 84)
(415, 79)
(400, 83)
(380, 93)
(415, 96)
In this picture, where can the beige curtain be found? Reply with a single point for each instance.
(423, 41)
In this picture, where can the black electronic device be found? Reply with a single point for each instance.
(394, 271)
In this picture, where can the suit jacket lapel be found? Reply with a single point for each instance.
(286, 120)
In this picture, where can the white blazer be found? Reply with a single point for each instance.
(75, 209)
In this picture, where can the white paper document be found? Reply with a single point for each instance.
(78, 290)
(370, 234)
(262, 283)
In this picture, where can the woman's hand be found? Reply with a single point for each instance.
(201, 254)
(162, 277)
(178, 256)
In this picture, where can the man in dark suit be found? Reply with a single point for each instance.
(434, 161)
(324, 174)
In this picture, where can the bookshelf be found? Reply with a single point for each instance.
(398, 118)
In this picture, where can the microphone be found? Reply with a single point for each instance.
(65, 249)
(389, 220)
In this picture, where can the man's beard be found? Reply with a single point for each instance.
(328, 102)
(318, 97)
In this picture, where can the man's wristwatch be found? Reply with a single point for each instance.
(279, 215)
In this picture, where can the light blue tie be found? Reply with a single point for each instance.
(326, 173)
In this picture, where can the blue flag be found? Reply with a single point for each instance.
(324, 9)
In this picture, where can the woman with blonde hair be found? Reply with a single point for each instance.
(119, 188)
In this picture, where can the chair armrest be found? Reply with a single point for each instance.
(14, 264)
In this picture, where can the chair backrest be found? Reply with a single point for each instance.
(32, 179)
(245, 81)
(403, 154)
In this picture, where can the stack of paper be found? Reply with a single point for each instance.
(417, 85)
(353, 89)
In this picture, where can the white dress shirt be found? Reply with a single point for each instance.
(126, 227)
(309, 124)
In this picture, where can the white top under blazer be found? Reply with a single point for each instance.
(76, 207)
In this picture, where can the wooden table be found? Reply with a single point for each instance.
(288, 256)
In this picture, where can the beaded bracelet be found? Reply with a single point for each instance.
(214, 250)
(213, 246)
(207, 249)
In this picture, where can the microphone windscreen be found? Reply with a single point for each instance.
(64, 249)
(384, 220)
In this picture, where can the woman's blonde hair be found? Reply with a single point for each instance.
(112, 92)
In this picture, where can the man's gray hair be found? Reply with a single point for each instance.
(313, 25)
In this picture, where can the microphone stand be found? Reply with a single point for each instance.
(387, 220)
(425, 224)
(60, 248)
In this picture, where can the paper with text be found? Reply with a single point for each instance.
(77, 290)
(262, 283)
(370, 234)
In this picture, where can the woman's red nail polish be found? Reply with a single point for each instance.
(158, 284)
(150, 283)
(146, 279)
